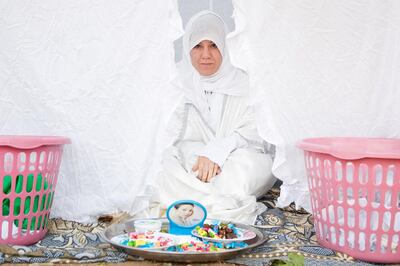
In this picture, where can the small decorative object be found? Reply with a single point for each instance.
(184, 216)
(217, 231)
(148, 225)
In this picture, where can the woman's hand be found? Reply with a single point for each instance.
(207, 169)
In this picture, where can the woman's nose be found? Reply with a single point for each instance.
(206, 53)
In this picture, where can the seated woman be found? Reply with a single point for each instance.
(218, 158)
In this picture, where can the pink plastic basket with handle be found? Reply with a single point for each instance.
(355, 195)
(29, 167)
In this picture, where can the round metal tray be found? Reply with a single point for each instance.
(161, 255)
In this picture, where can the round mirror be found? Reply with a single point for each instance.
(185, 214)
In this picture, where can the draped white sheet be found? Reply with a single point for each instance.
(319, 68)
(97, 72)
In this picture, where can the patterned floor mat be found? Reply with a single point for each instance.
(287, 230)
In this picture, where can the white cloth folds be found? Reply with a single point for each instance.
(218, 149)
(98, 73)
(316, 71)
(246, 174)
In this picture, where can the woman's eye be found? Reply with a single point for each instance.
(197, 46)
(214, 45)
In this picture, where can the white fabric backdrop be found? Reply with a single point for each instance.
(97, 72)
(319, 68)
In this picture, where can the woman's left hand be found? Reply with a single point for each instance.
(207, 169)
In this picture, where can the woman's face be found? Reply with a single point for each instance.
(185, 210)
(206, 58)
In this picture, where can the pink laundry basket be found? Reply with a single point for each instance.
(355, 195)
(28, 172)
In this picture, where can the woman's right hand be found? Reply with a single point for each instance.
(207, 169)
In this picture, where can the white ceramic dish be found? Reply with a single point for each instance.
(146, 225)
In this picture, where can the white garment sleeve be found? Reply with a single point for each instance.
(219, 149)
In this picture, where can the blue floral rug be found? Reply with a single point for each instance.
(287, 230)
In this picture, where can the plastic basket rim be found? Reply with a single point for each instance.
(31, 141)
(330, 145)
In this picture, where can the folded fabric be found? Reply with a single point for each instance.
(218, 149)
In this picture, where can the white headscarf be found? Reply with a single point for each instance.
(207, 25)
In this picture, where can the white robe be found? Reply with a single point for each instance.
(246, 173)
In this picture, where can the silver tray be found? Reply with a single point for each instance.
(161, 255)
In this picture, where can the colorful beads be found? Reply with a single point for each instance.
(153, 240)
(205, 246)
